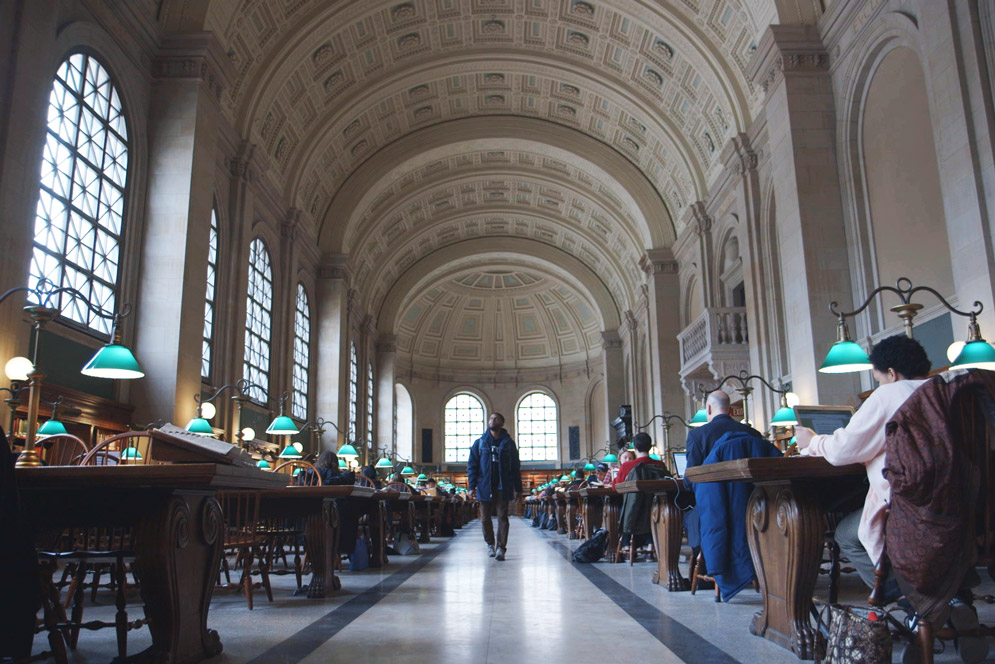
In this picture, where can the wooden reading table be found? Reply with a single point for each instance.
(786, 530)
(179, 535)
(667, 526)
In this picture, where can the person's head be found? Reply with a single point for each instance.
(327, 459)
(717, 403)
(601, 470)
(369, 472)
(430, 483)
(899, 358)
(627, 455)
(642, 442)
(495, 422)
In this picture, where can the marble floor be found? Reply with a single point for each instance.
(453, 604)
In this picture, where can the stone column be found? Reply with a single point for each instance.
(190, 73)
(664, 325)
(384, 367)
(332, 350)
(614, 373)
(791, 67)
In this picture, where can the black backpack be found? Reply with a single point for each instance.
(593, 549)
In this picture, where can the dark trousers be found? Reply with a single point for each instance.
(852, 549)
(487, 509)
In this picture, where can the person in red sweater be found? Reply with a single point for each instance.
(642, 442)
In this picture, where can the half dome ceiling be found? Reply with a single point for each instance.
(500, 318)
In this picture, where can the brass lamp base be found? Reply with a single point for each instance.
(28, 459)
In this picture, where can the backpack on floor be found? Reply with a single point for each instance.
(593, 549)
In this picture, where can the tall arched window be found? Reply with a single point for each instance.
(464, 422)
(258, 321)
(353, 393)
(212, 274)
(535, 428)
(79, 221)
(302, 353)
(369, 406)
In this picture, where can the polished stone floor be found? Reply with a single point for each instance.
(454, 604)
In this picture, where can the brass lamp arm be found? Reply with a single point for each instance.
(666, 417)
(242, 385)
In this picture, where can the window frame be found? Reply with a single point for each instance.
(353, 394)
(451, 441)
(301, 361)
(525, 451)
(258, 392)
(210, 298)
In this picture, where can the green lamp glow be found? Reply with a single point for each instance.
(347, 451)
(565, 478)
(700, 419)
(784, 417)
(384, 462)
(611, 458)
(588, 466)
(52, 428)
(262, 463)
(290, 452)
(423, 476)
(845, 357)
(341, 463)
(200, 426)
(408, 470)
(282, 426)
(573, 473)
(131, 453)
(655, 457)
(977, 354)
(113, 361)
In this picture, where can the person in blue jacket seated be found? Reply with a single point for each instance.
(699, 445)
(327, 466)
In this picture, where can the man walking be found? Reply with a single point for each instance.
(494, 476)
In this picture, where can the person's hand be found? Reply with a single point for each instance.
(473, 494)
(803, 436)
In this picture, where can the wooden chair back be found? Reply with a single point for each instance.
(61, 450)
(400, 487)
(363, 481)
(241, 512)
(134, 448)
(299, 473)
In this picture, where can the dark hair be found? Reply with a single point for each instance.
(499, 415)
(642, 442)
(602, 467)
(903, 354)
(369, 472)
(327, 459)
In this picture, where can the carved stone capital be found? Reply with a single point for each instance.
(387, 343)
(610, 340)
(787, 50)
(659, 261)
(290, 226)
(334, 266)
(197, 56)
(240, 166)
(701, 218)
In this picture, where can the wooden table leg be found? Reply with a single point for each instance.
(786, 538)
(320, 537)
(610, 512)
(592, 516)
(668, 530)
(424, 537)
(561, 517)
(178, 553)
(572, 520)
(378, 546)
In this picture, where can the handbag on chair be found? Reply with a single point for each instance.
(854, 635)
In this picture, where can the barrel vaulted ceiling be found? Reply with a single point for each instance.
(417, 135)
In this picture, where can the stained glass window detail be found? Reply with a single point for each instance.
(79, 220)
(258, 321)
(536, 431)
(212, 275)
(302, 353)
(464, 423)
(353, 393)
(369, 406)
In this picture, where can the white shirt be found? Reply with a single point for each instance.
(863, 441)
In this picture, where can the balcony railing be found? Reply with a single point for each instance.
(717, 329)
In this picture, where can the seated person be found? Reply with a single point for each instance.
(623, 457)
(642, 443)
(600, 473)
(431, 487)
(370, 473)
(327, 465)
(900, 366)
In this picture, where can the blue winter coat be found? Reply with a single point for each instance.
(722, 510)
(480, 466)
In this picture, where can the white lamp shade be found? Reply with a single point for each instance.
(207, 410)
(792, 399)
(248, 433)
(18, 368)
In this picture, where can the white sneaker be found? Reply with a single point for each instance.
(490, 550)
(500, 553)
(964, 618)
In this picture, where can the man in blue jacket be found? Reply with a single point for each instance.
(494, 476)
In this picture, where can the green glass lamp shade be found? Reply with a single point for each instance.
(408, 470)
(845, 357)
(565, 478)
(784, 417)
(131, 453)
(348, 451)
(655, 457)
(423, 476)
(611, 458)
(384, 462)
(976, 355)
(700, 419)
(282, 426)
(341, 463)
(52, 428)
(290, 452)
(113, 361)
(297, 471)
(200, 426)
(262, 463)
(588, 466)
(573, 473)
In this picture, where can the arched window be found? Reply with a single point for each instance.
(79, 221)
(369, 406)
(353, 393)
(464, 422)
(258, 321)
(212, 274)
(302, 353)
(535, 428)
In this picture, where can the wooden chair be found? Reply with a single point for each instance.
(61, 450)
(363, 481)
(244, 541)
(299, 472)
(698, 574)
(132, 448)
